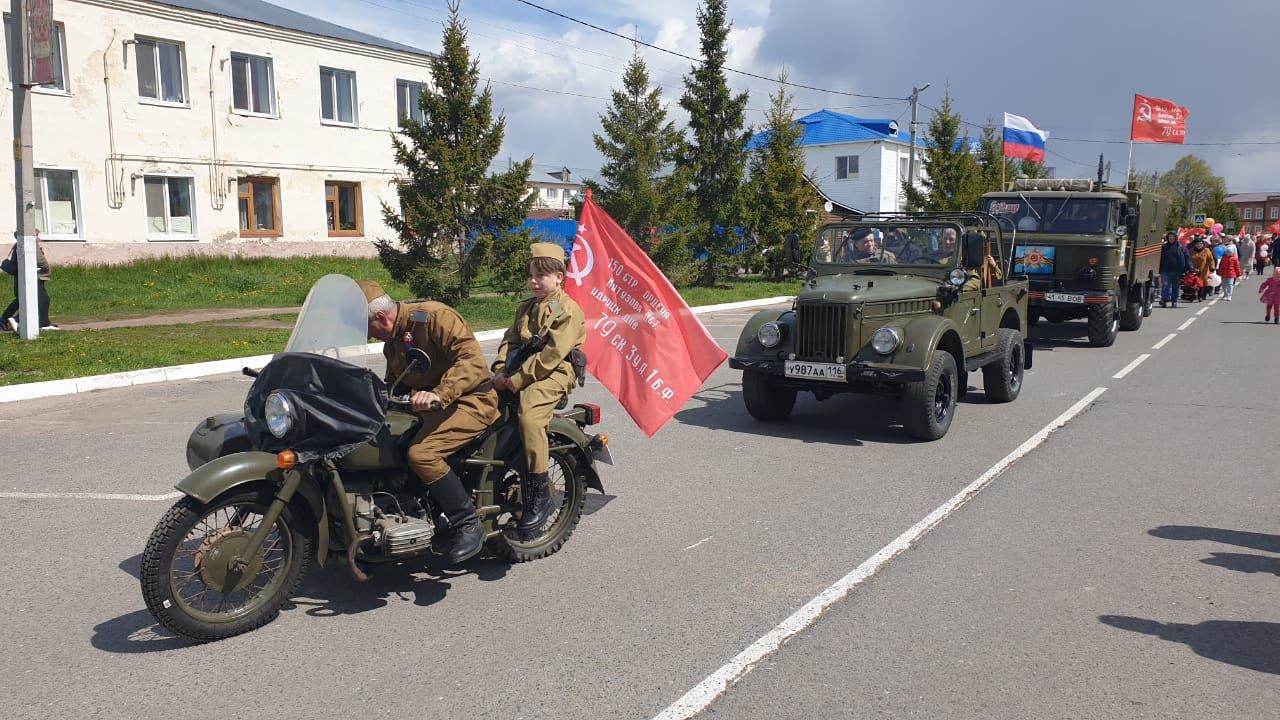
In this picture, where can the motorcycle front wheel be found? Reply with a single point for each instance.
(569, 493)
(189, 581)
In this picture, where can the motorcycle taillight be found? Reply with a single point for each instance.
(592, 412)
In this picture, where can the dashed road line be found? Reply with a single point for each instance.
(1186, 324)
(719, 682)
(1165, 341)
(1204, 309)
(1129, 368)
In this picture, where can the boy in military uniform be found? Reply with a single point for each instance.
(534, 361)
(454, 396)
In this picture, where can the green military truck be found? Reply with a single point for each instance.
(1090, 250)
(897, 304)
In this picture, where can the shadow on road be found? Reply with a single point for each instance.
(136, 632)
(132, 566)
(1244, 562)
(1250, 645)
(1252, 540)
(330, 591)
(844, 419)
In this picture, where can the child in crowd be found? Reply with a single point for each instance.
(1270, 294)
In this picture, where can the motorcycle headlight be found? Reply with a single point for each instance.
(770, 334)
(886, 340)
(279, 414)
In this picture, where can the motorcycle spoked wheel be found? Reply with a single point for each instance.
(568, 488)
(187, 581)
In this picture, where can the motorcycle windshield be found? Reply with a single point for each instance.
(334, 321)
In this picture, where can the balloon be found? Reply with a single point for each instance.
(1217, 228)
(1209, 222)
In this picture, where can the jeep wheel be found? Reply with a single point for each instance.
(1131, 318)
(765, 400)
(1103, 325)
(1002, 379)
(929, 405)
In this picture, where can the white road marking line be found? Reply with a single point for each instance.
(1204, 310)
(699, 542)
(716, 684)
(1211, 304)
(1129, 368)
(87, 496)
(1165, 341)
(1186, 324)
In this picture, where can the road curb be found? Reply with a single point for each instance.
(74, 386)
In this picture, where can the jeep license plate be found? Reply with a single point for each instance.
(814, 371)
(1064, 297)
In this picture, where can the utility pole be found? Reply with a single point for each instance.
(23, 172)
(911, 162)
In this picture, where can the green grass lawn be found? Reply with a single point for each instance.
(169, 286)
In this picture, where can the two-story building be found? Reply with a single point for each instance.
(1258, 211)
(554, 193)
(214, 126)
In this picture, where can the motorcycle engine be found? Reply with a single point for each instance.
(397, 535)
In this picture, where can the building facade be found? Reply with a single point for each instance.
(553, 193)
(219, 126)
(1258, 211)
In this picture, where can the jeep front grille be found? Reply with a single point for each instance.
(822, 328)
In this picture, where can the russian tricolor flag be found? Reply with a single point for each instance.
(1022, 139)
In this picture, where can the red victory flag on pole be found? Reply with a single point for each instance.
(643, 342)
(1274, 228)
(1158, 121)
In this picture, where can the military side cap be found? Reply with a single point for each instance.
(547, 250)
(372, 290)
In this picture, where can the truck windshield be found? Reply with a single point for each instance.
(887, 245)
(1068, 215)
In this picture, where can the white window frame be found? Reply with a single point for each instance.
(60, 36)
(355, 98)
(1275, 213)
(848, 175)
(271, 84)
(146, 222)
(552, 193)
(1248, 213)
(1257, 215)
(422, 88)
(75, 199)
(182, 63)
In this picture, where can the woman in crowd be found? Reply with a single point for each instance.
(1203, 263)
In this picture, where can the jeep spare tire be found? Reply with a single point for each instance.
(928, 405)
(765, 399)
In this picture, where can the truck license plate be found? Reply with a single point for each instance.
(814, 371)
(1064, 297)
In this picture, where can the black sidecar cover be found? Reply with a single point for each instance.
(336, 406)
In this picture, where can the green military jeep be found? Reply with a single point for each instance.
(899, 304)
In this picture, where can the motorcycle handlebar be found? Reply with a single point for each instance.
(250, 372)
(403, 402)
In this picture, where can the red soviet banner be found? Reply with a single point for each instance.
(1156, 120)
(643, 342)
(1274, 228)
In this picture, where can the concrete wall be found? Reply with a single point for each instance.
(103, 130)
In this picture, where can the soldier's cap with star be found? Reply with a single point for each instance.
(372, 290)
(546, 250)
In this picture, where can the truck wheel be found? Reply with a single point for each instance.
(1131, 318)
(1002, 379)
(765, 400)
(929, 405)
(1149, 298)
(1103, 325)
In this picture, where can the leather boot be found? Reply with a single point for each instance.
(468, 534)
(537, 504)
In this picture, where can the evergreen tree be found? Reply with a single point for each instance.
(451, 208)
(1032, 169)
(716, 155)
(780, 201)
(952, 177)
(993, 166)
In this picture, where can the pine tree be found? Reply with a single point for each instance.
(952, 177)
(716, 155)
(1032, 169)
(993, 166)
(780, 201)
(451, 208)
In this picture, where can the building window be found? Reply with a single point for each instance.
(1248, 213)
(553, 194)
(903, 166)
(59, 54)
(57, 204)
(338, 96)
(259, 200)
(252, 84)
(1275, 213)
(408, 95)
(846, 167)
(160, 74)
(342, 203)
(1257, 214)
(170, 211)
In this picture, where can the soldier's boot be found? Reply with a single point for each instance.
(537, 504)
(468, 533)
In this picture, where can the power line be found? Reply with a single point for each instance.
(699, 61)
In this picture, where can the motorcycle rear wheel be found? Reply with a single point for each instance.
(187, 581)
(569, 489)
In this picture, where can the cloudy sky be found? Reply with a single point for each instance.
(1071, 67)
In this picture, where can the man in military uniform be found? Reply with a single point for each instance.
(454, 395)
(534, 361)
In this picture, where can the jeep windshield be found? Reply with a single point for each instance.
(1064, 215)
(875, 245)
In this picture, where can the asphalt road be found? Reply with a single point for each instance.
(1124, 567)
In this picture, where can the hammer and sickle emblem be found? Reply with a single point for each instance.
(579, 270)
(1144, 113)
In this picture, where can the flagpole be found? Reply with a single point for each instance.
(1129, 167)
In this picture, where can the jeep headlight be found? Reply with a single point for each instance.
(279, 414)
(886, 340)
(770, 334)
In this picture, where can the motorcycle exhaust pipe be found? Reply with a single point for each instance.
(352, 565)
